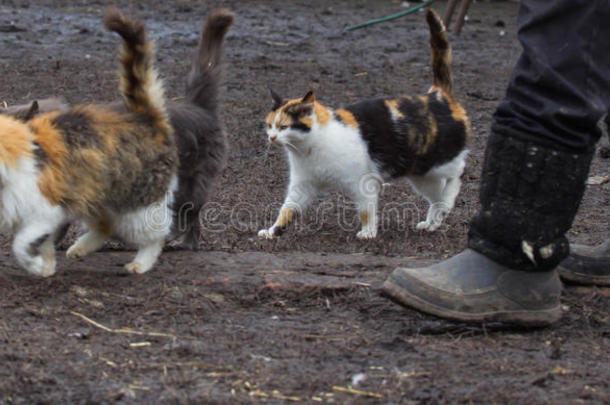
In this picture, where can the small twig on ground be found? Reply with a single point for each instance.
(127, 331)
(357, 392)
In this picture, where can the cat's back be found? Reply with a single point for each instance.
(410, 134)
(93, 158)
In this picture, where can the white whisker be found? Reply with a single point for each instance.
(292, 146)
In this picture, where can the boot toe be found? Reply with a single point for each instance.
(466, 288)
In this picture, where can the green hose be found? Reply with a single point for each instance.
(390, 17)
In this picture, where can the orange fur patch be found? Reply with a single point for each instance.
(270, 118)
(286, 215)
(306, 121)
(107, 124)
(284, 120)
(393, 107)
(347, 118)
(364, 218)
(15, 140)
(458, 112)
(49, 139)
(103, 226)
(430, 137)
(51, 181)
(322, 113)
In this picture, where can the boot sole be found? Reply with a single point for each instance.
(584, 279)
(534, 318)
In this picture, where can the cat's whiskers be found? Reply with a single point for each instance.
(297, 150)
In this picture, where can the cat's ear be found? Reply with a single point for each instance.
(309, 97)
(34, 109)
(277, 100)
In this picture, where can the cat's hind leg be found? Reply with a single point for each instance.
(440, 187)
(146, 228)
(431, 188)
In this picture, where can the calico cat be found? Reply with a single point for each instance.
(114, 171)
(200, 139)
(356, 148)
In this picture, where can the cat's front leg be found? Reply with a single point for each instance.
(366, 196)
(284, 218)
(368, 218)
(87, 243)
(35, 250)
(297, 200)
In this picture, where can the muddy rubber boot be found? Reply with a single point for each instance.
(469, 287)
(587, 264)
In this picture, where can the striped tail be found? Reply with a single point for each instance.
(441, 53)
(139, 84)
(207, 69)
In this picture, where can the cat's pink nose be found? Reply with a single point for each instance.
(272, 138)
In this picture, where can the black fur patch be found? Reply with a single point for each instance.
(40, 155)
(34, 248)
(450, 139)
(76, 130)
(338, 118)
(397, 146)
(387, 147)
(300, 126)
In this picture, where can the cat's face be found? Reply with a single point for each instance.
(290, 123)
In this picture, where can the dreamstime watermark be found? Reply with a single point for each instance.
(337, 211)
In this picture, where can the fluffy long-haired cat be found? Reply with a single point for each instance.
(200, 139)
(356, 148)
(115, 171)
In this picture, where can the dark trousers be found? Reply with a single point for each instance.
(560, 87)
(544, 133)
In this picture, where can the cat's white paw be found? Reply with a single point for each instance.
(76, 251)
(136, 268)
(367, 234)
(266, 234)
(427, 226)
(40, 267)
(48, 269)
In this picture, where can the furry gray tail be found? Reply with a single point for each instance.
(139, 84)
(441, 52)
(207, 70)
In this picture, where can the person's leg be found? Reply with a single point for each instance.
(536, 164)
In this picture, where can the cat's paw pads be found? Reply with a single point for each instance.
(366, 234)
(427, 226)
(76, 252)
(135, 268)
(266, 234)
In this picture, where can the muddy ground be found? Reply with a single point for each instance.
(298, 319)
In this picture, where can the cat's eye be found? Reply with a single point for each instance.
(268, 126)
(283, 127)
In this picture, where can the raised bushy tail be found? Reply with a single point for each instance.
(441, 52)
(207, 69)
(139, 84)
